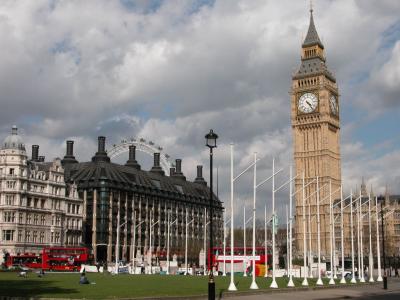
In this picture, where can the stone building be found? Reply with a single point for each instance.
(37, 209)
(139, 202)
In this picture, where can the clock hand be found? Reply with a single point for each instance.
(309, 104)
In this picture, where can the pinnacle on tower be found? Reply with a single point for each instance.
(312, 37)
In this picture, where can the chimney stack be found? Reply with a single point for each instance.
(101, 154)
(156, 167)
(101, 144)
(69, 156)
(132, 158)
(178, 170)
(35, 152)
(171, 171)
(199, 179)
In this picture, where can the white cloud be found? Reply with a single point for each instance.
(170, 73)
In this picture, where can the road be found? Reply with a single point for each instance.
(374, 291)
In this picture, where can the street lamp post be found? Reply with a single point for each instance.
(211, 142)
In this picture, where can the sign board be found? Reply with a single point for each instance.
(237, 257)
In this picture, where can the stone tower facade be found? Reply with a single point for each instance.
(316, 135)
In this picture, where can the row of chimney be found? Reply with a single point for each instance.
(35, 154)
(101, 155)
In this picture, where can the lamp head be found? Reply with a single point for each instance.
(211, 139)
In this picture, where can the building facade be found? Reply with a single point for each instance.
(37, 209)
(316, 138)
(126, 209)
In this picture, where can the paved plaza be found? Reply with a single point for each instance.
(373, 291)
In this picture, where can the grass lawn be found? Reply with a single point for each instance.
(123, 286)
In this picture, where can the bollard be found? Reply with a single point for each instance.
(385, 282)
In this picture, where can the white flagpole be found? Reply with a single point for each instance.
(305, 282)
(358, 241)
(353, 275)
(311, 258)
(244, 241)
(186, 242)
(331, 281)
(334, 245)
(378, 247)
(254, 285)
(168, 228)
(232, 286)
(205, 241)
(371, 256)
(224, 273)
(287, 240)
(290, 284)
(362, 279)
(342, 280)
(265, 241)
(319, 281)
(273, 285)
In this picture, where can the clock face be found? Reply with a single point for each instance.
(333, 104)
(308, 103)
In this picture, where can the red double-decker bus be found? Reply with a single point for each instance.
(65, 259)
(30, 260)
(242, 260)
(52, 259)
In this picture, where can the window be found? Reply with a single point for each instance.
(42, 203)
(10, 184)
(52, 220)
(156, 183)
(35, 201)
(11, 171)
(36, 219)
(69, 207)
(10, 199)
(397, 229)
(28, 236)
(9, 217)
(8, 235)
(77, 209)
(43, 220)
(52, 237)
(20, 217)
(179, 188)
(57, 221)
(57, 237)
(29, 202)
(19, 235)
(28, 219)
(73, 208)
(34, 237)
(41, 238)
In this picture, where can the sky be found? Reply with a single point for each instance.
(168, 71)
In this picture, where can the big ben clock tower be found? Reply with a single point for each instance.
(316, 128)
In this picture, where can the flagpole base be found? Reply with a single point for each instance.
(305, 282)
(371, 279)
(253, 286)
(290, 283)
(331, 281)
(273, 285)
(343, 280)
(362, 280)
(232, 287)
(319, 281)
(379, 279)
(353, 280)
